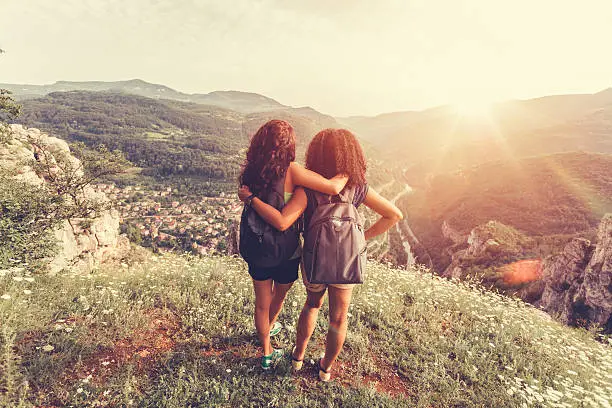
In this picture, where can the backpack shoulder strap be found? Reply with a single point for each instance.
(275, 196)
(279, 186)
(321, 198)
(348, 195)
(345, 196)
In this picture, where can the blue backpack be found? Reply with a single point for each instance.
(261, 244)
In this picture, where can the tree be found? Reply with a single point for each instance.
(9, 110)
(133, 233)
(70, 178)
(27, 218)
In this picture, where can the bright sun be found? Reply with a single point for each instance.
(473, 108)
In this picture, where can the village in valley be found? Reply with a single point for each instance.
(166, 220)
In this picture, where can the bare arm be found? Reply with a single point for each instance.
(314, 181)
(390, 214)
(279, 220)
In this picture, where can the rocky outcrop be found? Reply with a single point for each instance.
(598, 275)
(488, 245)
(578, 282)
(80, 247)
(452, 234)
(563, 277)
(495, 238)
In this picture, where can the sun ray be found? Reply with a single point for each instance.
(486, 134)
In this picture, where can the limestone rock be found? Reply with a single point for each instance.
(80, 247)
(563, 277)
(578, 282)
(452, 234)
(598, 275)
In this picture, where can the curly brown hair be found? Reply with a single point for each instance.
(337, 151)
(271, 152)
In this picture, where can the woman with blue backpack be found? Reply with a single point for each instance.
(334, 253)
(273, 256)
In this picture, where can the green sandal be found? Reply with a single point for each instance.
(269, 361)
(274, 330)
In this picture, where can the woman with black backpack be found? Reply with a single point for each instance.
(273, 257)
(334, 237)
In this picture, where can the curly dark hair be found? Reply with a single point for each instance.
(335, 151)
(271, 151)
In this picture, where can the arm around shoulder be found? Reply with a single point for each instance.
(291, 212)
(314, 181)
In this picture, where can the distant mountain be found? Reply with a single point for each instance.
(441, 139)
(244, 102)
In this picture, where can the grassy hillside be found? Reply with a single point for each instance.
(165, 138)
(176, 331)
(557, 195)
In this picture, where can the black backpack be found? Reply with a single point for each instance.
(261, 244)
(334, 241)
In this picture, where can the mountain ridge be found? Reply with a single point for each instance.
(245, 102)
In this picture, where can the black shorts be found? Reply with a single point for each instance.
(286, 272)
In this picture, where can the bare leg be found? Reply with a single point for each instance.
(307, 321)
(279, 293)
(263, 297)
(339, 301)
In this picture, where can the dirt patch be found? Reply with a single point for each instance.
(142, 347)
(346, 372)
(385, 379)
(244, 350)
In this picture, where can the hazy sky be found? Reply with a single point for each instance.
(343, 57)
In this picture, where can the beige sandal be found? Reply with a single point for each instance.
(295, 363)
(324, 375)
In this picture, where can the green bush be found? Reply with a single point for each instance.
(26, 222)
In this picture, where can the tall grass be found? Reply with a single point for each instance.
(175, 331)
